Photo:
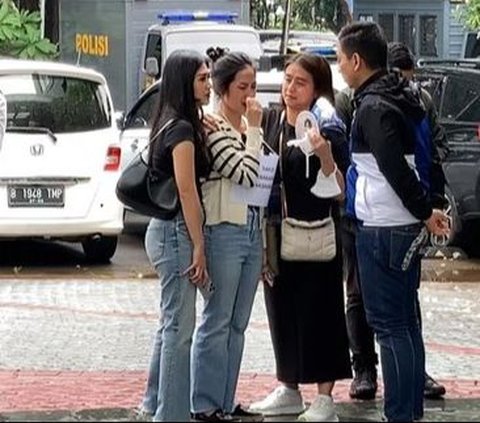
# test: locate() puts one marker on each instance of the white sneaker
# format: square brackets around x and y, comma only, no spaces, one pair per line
[321,410]
[281,401]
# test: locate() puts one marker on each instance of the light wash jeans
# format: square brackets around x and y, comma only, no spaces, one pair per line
[169,249]
[234,254]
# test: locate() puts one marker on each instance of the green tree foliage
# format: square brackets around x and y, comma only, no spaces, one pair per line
[20,34]
[469,14]
[306,14]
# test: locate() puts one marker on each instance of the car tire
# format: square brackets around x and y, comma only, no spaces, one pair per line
[100,249]
[470,238]
[451,210]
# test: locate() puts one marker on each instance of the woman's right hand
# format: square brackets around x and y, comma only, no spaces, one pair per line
[197,271]
[267,274]
[254,113]
[210,123]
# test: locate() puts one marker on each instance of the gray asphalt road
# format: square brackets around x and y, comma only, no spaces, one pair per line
[36,258]
[60,260]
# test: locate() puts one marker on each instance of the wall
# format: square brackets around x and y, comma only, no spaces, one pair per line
[406,7]
[122,24]
[456,33]
[92,33]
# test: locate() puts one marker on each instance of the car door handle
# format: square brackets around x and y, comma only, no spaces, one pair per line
[134,145]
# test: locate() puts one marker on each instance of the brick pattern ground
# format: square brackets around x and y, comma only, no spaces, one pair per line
[81,344]
[68,390]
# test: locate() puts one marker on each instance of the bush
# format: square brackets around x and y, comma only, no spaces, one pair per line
[20,34]
[469,14]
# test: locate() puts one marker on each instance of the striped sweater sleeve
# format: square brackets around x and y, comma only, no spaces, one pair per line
[234,160]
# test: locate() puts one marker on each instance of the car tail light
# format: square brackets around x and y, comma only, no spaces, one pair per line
[112,161]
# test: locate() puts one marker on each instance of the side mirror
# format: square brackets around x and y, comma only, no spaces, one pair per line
[119,117]
[151,67]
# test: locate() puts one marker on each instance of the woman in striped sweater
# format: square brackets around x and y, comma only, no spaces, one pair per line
[233,238]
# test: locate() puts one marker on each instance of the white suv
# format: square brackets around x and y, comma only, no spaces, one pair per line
[60,158]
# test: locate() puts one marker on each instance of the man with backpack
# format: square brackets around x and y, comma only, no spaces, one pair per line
[392,207]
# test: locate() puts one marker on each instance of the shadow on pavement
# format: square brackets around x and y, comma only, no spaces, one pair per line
[458,410]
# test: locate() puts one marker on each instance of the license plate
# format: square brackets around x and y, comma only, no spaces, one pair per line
[36,196]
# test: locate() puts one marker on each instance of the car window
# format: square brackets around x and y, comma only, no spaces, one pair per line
[153,49]
[462,99]
[59,103]
[433,84]
[141,113]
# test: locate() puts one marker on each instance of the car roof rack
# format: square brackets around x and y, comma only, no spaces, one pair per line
[467,63]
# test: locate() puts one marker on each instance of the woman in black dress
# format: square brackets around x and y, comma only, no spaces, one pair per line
[305,302]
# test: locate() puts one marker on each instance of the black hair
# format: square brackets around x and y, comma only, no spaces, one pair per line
[225,66]
[400,56]
[320,71]
[367,40]
[177,96]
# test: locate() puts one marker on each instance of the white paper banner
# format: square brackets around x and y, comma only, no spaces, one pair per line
[260,193]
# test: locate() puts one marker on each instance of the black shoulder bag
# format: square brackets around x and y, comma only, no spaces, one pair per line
[149,193]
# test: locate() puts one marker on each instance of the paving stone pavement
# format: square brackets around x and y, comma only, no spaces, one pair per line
[78,349]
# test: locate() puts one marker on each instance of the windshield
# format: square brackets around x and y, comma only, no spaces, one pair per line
[57,103]
[247,42]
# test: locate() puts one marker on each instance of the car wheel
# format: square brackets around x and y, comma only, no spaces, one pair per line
[451,210]
[470,238]
[100,249]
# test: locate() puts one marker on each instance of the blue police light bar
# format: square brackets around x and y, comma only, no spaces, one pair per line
[320,50]
[187,16]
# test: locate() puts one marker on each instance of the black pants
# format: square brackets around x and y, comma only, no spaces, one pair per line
[360,335]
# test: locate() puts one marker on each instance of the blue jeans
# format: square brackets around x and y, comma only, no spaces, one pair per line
[234,254]
[389,296]
[169,250]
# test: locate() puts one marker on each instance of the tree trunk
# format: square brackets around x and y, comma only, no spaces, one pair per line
[30,5]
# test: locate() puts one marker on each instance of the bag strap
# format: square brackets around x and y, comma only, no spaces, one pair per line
[283,194]
[153,139]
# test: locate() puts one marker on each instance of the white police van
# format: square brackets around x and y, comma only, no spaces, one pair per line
[194,30]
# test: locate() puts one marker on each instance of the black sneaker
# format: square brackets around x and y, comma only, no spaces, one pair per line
[240,414]
[216,416]
[364,385]
[433,389]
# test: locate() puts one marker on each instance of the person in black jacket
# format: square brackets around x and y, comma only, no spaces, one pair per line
[393,210]
[364,358]
[400,57]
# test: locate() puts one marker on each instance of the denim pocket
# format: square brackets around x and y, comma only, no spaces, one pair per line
[400,242]
[155,241]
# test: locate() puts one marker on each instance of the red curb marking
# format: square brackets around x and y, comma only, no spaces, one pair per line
[452,349]
[24,390]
